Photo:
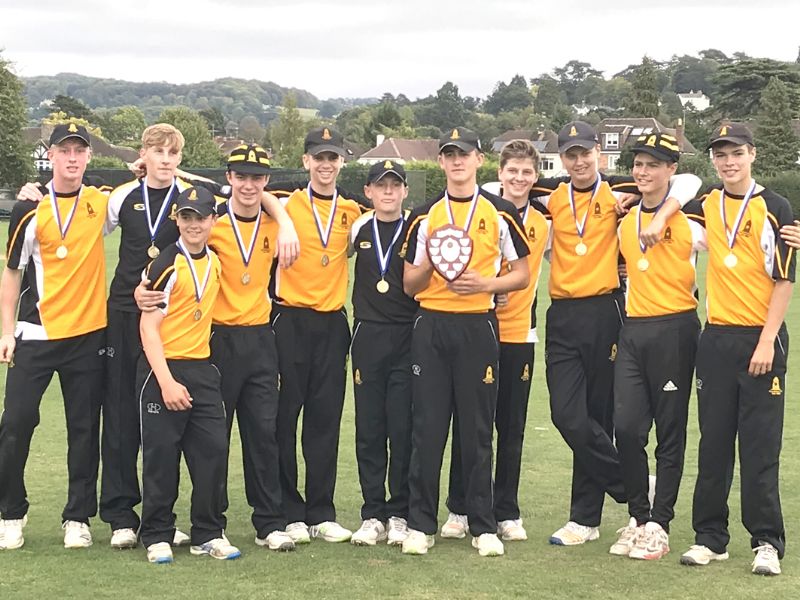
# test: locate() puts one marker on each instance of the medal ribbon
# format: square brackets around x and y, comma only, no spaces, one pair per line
[473,206]
[383,259]
[581,227]
[324,236]
[643,247]
[246,256]
[198,289]
[731,235]
[151,227]
[54,204]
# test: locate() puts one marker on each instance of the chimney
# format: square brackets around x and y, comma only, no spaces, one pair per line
[379,139]
[680,134]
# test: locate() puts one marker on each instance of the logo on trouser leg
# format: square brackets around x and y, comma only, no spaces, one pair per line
[776,390]
[489,378]
[153,408]
[526,373]
[670,387]
[613,356]
[416,370]
[357,377]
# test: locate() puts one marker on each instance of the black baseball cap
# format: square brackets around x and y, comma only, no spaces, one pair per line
[661,146]
[198,199]
[249,159]
[735,133]
[576,133]
[380,169]
[65,131]
[324,139]
[462,138]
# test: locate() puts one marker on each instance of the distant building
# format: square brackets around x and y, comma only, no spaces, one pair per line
[400,150]
[39,137]
[697,100]
[615,134]
[546,142]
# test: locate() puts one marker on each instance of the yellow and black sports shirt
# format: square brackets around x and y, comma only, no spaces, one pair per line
[60,297]
[741,295]
[182,335]
[517,319]
[496,232]
[239,303]
[318,278]
[668,285]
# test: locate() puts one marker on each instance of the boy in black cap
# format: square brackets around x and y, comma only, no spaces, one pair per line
[656,350]
[313,336]
[243,344]
[381,357]
[742,357]
[181,408]
[465,232]
[585,316]
[55,271]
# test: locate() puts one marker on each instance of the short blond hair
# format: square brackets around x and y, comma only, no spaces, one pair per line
[162,134]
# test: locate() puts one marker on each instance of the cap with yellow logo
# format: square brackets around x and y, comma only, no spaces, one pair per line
[249,159]
[660,146]
[733,133]
[66,131]
[380,169]
[460,137]
[324,139]
[576,133]
[198,199]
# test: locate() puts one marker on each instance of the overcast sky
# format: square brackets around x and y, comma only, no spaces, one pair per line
[357,48]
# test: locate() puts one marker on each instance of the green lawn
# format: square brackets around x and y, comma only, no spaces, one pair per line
[452,569]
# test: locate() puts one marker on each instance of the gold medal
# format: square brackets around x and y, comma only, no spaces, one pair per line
[61,252]
[731,260]
[152,251]
[325,260]
[198,314]
[245,278]
[382,286]
[643,264]
[581,249]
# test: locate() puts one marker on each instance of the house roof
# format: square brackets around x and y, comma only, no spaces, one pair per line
[544,141]
[100,147]
[403,149]
[630,128]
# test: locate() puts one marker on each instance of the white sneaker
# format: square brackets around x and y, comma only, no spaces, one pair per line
[298,531]
[398,531]
[488,544]
[371,532]
[652,544]
[277,540]
[766,561]
[455,527]
[330,531]
[651,490]
[216,548]
[698,555]
[574,534]
[417,542]
[11,533]
[628,536]
[124,538]
[511,530]
[180,539]
[159,553]
[76,535]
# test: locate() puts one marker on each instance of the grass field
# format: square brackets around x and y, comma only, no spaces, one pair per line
[452,569]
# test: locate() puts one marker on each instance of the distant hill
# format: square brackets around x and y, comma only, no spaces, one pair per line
[236,98]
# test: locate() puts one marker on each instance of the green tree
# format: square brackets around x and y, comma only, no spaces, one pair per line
[778,145]
[107,162]
[200,150]
[445,110]
[740,84]
[508,97]
[72,107]
[125,126]
[572,76]
[643,99]
[250,129]
[215,120]
[547,95]
[287,133]
[16,163]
